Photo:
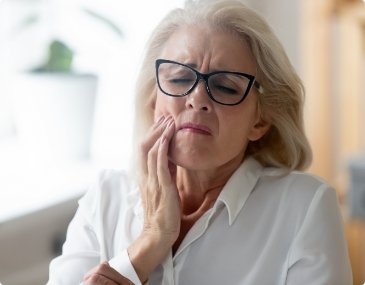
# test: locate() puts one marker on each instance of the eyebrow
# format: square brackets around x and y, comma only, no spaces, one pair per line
[195,66]
[192,65]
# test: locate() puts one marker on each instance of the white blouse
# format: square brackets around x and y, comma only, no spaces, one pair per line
[264,228]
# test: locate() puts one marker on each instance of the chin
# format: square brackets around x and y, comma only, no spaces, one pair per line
[189,161]
[190,154]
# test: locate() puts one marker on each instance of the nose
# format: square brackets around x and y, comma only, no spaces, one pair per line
[198,99]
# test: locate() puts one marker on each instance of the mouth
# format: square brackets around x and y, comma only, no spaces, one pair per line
[196,128]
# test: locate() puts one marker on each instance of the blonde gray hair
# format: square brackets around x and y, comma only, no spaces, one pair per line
[282,94]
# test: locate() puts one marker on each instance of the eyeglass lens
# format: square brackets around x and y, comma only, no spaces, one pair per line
[225,88]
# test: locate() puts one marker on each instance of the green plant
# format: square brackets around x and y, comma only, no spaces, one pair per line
[59,58]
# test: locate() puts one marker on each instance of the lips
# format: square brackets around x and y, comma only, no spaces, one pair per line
[196,128]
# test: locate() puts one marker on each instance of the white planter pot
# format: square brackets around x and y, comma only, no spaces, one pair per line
[54,115]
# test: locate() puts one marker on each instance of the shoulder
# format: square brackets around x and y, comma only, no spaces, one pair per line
[294,183]
[295,194]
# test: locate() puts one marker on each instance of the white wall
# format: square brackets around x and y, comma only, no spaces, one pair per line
[284,16]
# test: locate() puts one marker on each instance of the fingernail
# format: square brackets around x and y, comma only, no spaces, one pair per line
[166,120]
[160,119]
[170,123]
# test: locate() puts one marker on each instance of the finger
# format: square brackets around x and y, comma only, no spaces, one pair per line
[151,160]
[160,149]
[150,189]
[152,175]
[149,141]
[97,279]
[152,135]
[158,121]
[105,273]
[93,270]
[163,164]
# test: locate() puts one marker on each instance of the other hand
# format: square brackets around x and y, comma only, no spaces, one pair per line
[106,275]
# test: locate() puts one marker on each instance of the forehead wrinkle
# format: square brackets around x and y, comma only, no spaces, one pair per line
[185,48]
[199,49]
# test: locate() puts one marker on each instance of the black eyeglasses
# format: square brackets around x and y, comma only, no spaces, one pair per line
[224,87]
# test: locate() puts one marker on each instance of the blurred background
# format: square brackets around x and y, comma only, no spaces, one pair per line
[67,75]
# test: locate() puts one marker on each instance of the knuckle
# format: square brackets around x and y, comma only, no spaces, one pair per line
[152,154]
[144,147]
[95,278]
[103,267]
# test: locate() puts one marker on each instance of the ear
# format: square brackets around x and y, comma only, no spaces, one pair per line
[258,130]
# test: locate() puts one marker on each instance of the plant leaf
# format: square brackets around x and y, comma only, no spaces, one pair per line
[60,58]
[28,21]
[106,21]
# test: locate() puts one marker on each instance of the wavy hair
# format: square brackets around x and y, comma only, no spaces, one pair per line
[281,97]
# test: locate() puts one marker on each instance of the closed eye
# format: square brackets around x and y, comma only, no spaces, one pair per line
[181,81]
[226,90]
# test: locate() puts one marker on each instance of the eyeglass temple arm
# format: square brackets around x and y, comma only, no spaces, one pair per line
[258,86]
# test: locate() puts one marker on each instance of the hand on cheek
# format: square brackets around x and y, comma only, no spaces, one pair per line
[160,200]
[159,193]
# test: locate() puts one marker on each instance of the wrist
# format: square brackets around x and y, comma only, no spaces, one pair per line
[146,253]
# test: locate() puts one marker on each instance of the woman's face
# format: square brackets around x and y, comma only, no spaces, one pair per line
[209,135]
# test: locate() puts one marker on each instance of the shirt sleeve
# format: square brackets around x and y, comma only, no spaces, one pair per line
[83,247]
[80,253]
[319,254]
[122,263]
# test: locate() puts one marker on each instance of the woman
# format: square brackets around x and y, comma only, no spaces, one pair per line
[218,197]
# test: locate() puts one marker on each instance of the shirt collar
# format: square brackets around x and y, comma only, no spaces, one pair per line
[239,187]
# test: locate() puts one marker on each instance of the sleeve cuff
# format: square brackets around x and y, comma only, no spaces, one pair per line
[123,265]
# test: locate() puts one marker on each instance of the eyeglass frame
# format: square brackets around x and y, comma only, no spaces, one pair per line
[205,77]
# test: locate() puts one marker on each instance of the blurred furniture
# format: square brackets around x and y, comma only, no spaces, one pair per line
[355,226]
[29,242]
[356,194]
[333,72]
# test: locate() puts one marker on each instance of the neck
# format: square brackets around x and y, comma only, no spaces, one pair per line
[199,189]
[198,192]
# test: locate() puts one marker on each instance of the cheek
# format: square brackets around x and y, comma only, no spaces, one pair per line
[160,106]
[235,128]
[167,105]
[235,138]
